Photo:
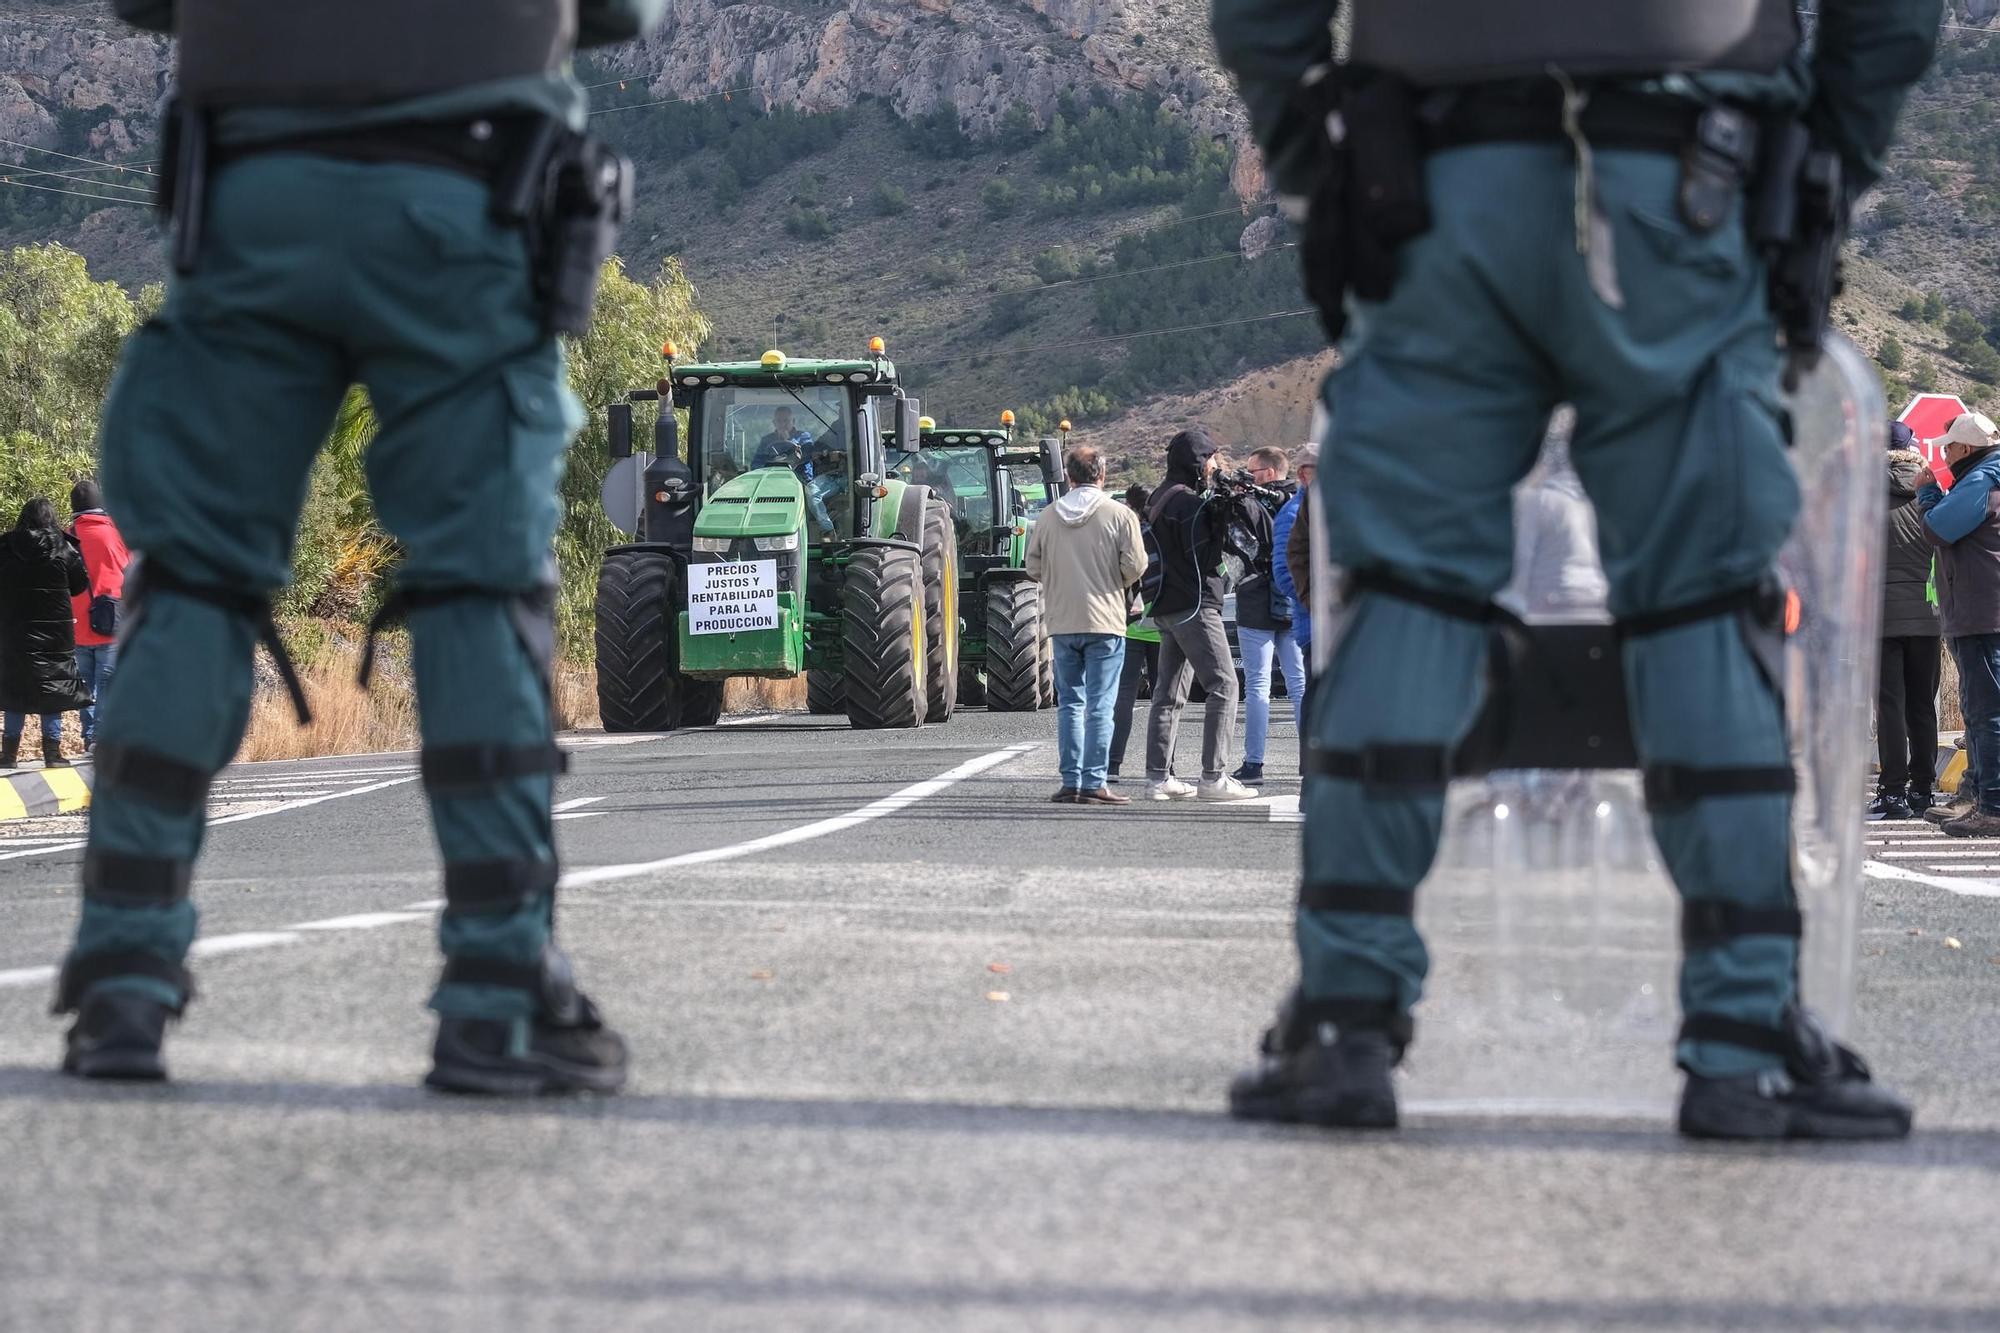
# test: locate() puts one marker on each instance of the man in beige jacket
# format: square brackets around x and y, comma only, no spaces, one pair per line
[1086,552]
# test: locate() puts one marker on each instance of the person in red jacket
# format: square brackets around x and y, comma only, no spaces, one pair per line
[104,560]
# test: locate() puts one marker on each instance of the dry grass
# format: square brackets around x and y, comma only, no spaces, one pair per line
[346,719]
[750,694]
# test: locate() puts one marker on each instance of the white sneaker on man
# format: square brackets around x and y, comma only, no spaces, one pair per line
[1172,789]
[1225,789]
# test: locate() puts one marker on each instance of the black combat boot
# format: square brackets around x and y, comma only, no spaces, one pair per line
[1823,1091]
[1325,1063]
[117,1035]
[564,1047]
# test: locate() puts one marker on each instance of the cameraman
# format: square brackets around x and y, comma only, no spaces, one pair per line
[1191,527]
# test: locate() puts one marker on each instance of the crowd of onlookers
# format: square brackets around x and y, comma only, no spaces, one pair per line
[1941,587]
[1134,595]
[60,590]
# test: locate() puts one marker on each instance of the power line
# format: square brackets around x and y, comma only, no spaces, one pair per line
[74,176]
[675,101]
[1128,337]
[101,198]
[92,161]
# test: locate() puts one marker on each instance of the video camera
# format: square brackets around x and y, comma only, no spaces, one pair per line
[1237,484]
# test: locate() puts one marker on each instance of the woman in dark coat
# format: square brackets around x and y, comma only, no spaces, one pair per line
[1906,692]
[40,570]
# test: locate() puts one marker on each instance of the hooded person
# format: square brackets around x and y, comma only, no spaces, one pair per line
[1964,529]
[40,570]
[1191,529]
[1087,554]
[1906,689]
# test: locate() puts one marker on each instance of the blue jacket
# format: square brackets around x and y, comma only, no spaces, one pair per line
[1281,572]
[1965,527]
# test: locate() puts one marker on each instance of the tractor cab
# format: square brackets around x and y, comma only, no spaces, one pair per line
[772,542]
[964,469]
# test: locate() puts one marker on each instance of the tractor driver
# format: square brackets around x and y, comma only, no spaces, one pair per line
[829,480]
[786,445]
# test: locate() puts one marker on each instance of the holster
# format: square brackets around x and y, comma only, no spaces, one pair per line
[572,194]
[1369,196]
[181,199]
[1798,220]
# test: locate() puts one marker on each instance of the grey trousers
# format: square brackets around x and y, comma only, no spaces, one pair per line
[1192,648]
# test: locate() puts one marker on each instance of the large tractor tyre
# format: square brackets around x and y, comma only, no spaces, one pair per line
[971,685]
[1013,647]
[940,612]
[701,702]
[1045,672]
[883,638]
[638,596]
[825,693]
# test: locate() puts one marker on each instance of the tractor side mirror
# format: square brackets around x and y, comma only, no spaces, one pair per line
[666,433]
[909,424]
[618,427]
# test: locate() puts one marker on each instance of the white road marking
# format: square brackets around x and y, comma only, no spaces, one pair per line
[239,818]
[888,805]
[1972,854]
[1970,888]
[265,939]
[576,803]
[738,719]
[362,921]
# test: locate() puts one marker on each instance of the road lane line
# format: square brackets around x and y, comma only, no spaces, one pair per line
[888,805]
[577,803]
[237,819]
[1969,888]
[361,921]
[265,939]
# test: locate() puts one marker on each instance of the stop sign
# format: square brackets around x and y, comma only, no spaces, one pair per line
[1928,416]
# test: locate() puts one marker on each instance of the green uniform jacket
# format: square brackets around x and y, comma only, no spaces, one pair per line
[1867,54]
[599,23]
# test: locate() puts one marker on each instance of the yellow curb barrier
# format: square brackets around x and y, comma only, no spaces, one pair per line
[40,792]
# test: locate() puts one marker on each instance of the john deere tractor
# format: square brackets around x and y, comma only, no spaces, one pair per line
[775,542]
[994,488]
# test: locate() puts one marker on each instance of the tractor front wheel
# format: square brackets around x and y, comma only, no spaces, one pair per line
[883,638]
[638,596]
[940,612]
[1013,646]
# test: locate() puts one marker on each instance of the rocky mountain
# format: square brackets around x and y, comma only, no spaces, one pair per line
[988,183]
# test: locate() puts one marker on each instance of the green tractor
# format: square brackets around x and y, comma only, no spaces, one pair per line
[994,488]
[775,542]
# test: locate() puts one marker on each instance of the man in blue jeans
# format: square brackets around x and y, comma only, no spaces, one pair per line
[1086,552]
[1966,531]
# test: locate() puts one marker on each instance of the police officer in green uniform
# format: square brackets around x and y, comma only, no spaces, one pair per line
[1535,202]
[378,193]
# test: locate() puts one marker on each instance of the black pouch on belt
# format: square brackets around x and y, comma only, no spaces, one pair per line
[573,193]
[1387,203]
[1315,106]
[181,198]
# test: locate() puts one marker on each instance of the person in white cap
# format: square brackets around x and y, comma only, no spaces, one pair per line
[1965,527]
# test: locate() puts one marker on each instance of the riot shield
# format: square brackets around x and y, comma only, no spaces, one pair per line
[1553,926]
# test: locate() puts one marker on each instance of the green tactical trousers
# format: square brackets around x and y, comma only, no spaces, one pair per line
[315,274]
[1680,442]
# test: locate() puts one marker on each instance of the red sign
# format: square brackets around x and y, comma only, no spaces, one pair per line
[1929,415]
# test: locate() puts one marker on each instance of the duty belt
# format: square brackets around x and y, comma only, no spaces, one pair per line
[1533,113]
[482,147]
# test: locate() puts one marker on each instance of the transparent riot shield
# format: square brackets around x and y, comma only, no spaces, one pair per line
[1552,924]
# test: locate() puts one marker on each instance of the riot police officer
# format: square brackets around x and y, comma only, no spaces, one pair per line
[377,193]
[1533,202]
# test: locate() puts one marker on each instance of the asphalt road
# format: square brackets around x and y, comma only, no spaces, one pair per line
[913,1049]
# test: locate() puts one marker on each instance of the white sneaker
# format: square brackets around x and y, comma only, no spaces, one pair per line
[1172,789]
[1225,789]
